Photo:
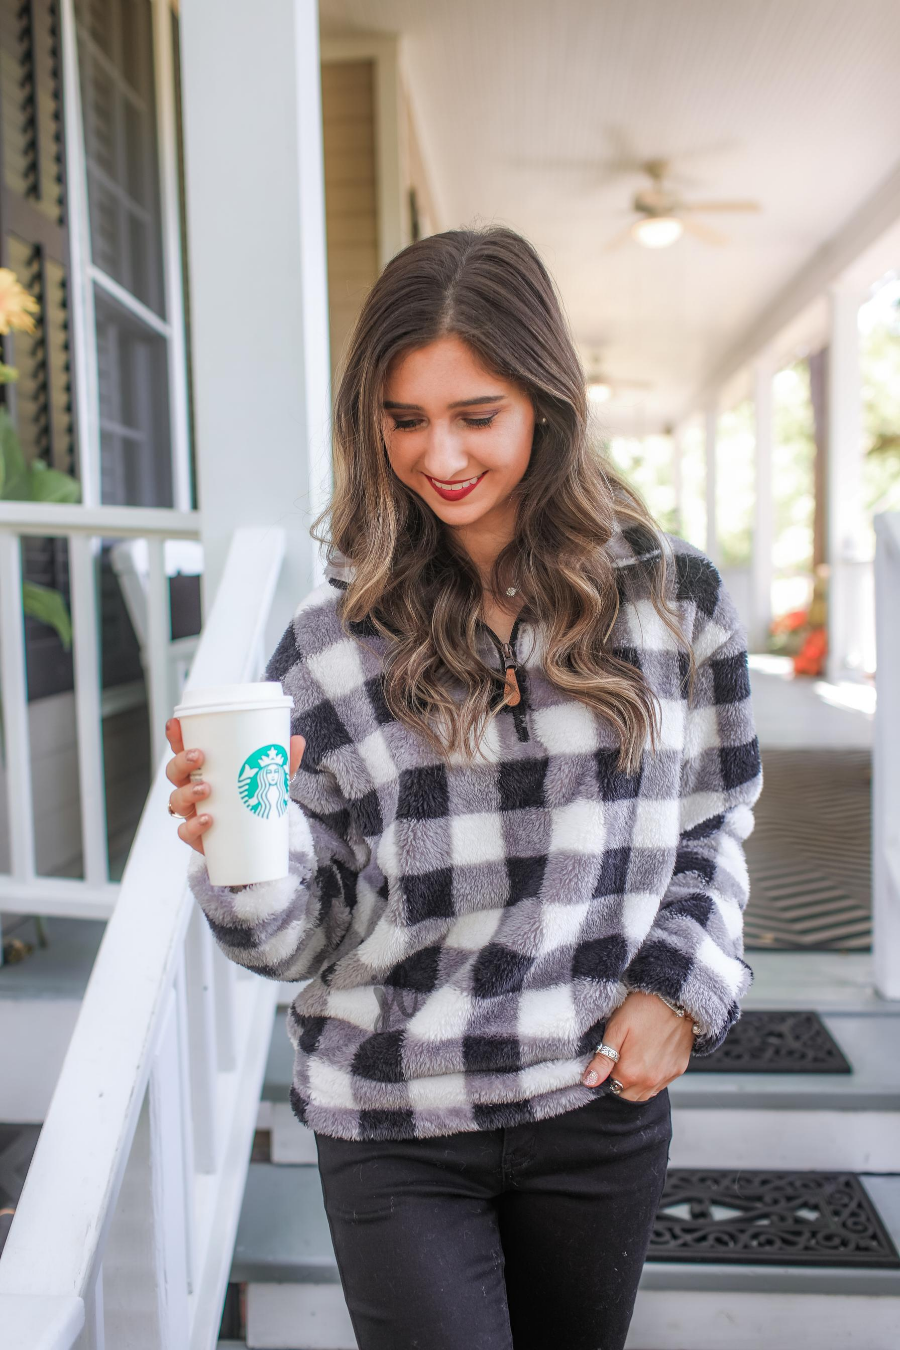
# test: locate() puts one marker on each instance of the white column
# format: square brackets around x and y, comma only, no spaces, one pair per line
[846,575]
[711,423]
[885,763]
[259,314]
[678,478]
[763,511]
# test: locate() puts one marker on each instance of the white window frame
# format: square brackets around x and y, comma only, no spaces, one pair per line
[85,275]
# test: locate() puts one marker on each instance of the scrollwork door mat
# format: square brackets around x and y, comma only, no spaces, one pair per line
[776,1040]
[770,1218]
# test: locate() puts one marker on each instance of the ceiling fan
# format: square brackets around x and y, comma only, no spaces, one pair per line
[663,215]
[601,386]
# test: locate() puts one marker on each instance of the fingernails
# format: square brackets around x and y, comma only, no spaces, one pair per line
[204,820]
[193,756]
[591,1078]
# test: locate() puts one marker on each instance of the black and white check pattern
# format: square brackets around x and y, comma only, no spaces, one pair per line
[468,927]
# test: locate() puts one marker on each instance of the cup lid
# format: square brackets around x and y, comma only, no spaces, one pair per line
[220,697]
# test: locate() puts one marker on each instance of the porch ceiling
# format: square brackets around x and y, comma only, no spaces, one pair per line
[526,107]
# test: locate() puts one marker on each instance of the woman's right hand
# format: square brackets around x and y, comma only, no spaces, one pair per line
[188,795]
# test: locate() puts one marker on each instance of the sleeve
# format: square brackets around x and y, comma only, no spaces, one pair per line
[289,929]
[693,952]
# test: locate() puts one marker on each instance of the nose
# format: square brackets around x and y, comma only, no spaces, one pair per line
[445,455]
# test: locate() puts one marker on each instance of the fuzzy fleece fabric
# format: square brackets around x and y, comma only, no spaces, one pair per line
[464,928]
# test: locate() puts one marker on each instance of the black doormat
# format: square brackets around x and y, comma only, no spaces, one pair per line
[775,1041]
[770,1218]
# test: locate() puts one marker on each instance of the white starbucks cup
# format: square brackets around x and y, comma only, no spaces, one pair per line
[244,731]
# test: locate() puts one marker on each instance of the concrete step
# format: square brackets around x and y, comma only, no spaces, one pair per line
[294,1301]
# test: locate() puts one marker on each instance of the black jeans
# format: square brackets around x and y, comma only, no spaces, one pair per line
[526,1238]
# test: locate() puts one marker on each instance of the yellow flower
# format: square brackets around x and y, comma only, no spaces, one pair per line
[16,305]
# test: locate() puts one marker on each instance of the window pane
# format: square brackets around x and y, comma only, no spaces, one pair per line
[115,54]
[134,410]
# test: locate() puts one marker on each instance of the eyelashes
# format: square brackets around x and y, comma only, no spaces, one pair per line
[410,424]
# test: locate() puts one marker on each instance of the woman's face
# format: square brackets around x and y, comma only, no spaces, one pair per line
[456,434]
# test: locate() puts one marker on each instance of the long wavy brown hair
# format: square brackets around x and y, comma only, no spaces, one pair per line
[410,581]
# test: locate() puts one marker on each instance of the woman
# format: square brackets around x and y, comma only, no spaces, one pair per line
[523,770]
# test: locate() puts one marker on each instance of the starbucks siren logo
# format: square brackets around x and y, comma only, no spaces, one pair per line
[263,782]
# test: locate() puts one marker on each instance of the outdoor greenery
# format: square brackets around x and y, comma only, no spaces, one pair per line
[880,350]
[647,460]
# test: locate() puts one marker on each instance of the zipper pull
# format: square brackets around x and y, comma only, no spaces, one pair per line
[512,695]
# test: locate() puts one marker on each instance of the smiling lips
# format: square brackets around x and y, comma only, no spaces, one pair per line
[454,492]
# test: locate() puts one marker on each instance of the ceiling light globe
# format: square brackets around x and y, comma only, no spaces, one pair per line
[599,392]
[657,231]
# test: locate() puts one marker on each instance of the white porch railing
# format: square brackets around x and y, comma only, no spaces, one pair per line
[125,1228]
[886,760]
[23,890]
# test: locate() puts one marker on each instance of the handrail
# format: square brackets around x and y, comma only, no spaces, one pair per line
[49,518]
[161,1081]
[23,889]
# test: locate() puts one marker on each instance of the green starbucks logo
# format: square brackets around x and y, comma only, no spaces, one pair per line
[263,782]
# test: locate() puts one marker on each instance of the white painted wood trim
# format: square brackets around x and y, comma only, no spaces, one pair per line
[179,420]
[84,329]
[86,654]
[57,1242]
[15,713]
[129,302]
[885,762]
[711,436]
[764,504]
[32,1323]
[160,700]
[47,518]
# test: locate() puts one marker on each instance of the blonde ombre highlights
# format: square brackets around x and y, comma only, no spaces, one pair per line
[410,578]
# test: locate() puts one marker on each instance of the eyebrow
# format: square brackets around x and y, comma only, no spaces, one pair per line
[461,403]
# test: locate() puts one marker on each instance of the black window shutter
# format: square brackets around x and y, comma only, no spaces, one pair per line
[34,243]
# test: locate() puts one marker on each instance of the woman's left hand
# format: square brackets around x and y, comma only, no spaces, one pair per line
[654,1046]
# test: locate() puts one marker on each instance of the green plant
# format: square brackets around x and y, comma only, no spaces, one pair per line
[24,482]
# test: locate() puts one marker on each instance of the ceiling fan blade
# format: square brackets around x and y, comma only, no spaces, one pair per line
[719,206]
[704,232]
[618,239]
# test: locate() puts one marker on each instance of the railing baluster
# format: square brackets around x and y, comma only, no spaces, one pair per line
[167,1173]
[225,980]
[20,800]
[86,655]
[191,1238]
[202,1040]
[159,632]
[93,1336]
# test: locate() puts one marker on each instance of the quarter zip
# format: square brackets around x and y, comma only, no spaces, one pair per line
[512,688]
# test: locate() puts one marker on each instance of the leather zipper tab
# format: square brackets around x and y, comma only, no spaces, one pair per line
[512,695]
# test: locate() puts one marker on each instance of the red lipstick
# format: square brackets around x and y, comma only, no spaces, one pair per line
[452,493]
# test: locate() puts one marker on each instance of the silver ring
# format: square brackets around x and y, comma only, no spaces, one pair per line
[604,1049]
[615,1086]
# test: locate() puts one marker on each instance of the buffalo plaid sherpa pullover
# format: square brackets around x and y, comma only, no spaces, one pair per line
[469,927]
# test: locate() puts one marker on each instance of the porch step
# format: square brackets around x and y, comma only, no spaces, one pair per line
[40,998]
[294,1300]
[828,1121]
